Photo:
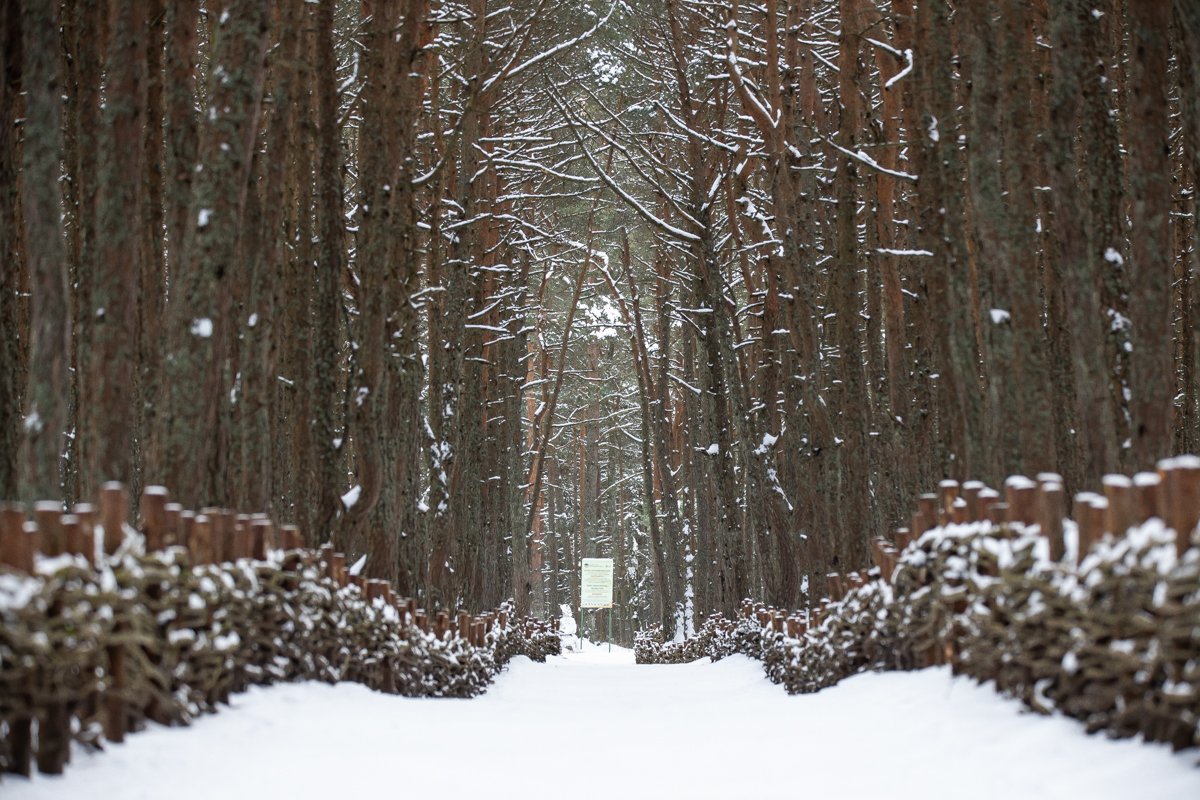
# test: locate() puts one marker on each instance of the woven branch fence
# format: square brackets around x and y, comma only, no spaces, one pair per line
[1097,616]
[104,627]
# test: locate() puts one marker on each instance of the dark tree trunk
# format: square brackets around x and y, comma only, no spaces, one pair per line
[110,416]
[48,395]
[1149,176]
[200,307]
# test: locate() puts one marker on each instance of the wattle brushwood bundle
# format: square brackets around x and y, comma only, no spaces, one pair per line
[165,624]
[1096,617]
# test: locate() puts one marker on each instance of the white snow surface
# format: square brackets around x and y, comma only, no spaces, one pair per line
[699,730]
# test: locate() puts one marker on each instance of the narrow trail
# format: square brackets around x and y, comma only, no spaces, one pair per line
[594,725]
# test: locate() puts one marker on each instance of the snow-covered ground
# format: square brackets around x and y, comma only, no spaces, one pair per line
[593,725]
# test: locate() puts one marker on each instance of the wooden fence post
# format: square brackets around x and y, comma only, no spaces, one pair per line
[72,534]
[263,536]
[290,536]
[186,518]
[1051,509]
[172,516]
[970,493]
[154,517]
[1121,514]
[1147,486]
[1021,495]
[16,553]
[86,512]
[1088,510]
[1186,497]
[200,541]
[48,515]
[114,514]
[947,494]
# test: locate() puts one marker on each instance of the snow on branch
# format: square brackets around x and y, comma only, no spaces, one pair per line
[866,159]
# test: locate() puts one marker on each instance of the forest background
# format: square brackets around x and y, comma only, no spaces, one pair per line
[477,289]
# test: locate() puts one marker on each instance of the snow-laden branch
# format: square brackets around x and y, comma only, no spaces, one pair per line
[908,55]
[889,251]
[661,224]
[866,159]
[564,45]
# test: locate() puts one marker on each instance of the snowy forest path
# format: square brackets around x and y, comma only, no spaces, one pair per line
[594,725]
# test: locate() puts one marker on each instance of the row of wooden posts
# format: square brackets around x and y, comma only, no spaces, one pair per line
[211,536]
[1171,493]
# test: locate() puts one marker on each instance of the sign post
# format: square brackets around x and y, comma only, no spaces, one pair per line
[595,591]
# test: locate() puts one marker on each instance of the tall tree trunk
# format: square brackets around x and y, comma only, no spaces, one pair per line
[13,336]
[1149,176]
[200,306]
[49,393]
[331,256]
[110,416]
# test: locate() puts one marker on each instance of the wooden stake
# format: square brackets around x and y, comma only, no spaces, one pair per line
[290,537]
[187,518]
[72,534]
[14,544]
[262,536]
[114,514]
[1051,509]
[1122,513]
[947,494]
[48,515]
[154,517]
[1021,496]
[200,540]
[1147,486]
[1186,497]
[970,493]
[172,524]
[1088,510]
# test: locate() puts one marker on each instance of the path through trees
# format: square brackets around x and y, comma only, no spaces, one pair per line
[596,726]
